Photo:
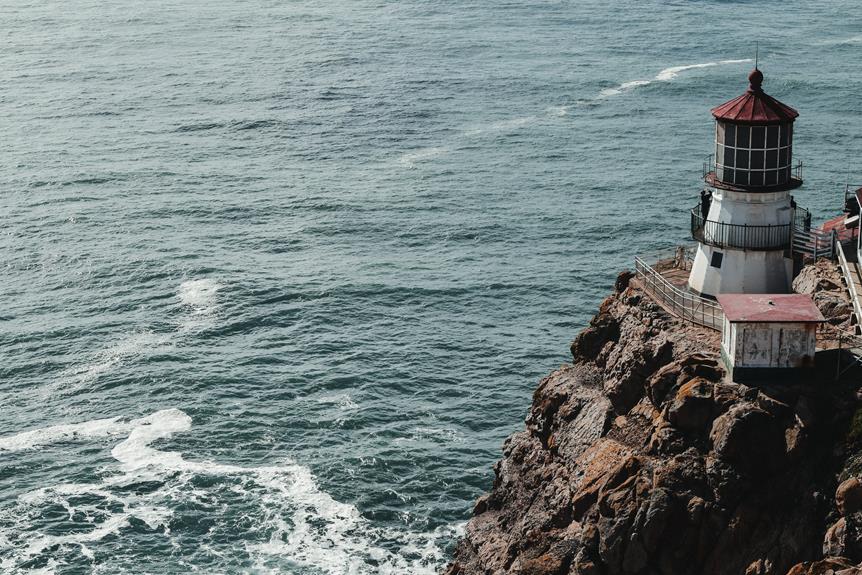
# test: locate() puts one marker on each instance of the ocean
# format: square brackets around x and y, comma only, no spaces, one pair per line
[278,278]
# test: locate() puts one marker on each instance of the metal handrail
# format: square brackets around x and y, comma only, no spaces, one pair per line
[685,305]
[722,235]
[848,279]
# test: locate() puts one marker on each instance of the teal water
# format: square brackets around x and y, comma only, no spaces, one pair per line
[278,278]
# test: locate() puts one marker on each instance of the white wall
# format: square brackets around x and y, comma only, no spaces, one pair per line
[770,345]
[744,271]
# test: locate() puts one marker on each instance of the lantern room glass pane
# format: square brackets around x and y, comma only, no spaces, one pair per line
[756,178]
[719,155]
[727,176]
[772,137]
[785,134]
[719,133]
[771,159]
[719,173]
[758,137]
[771,178]
[729,135]
[756,159]
[742,158]
[782,157]
[728,157]
[743,134]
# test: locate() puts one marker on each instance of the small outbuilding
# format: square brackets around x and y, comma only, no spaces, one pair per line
[768,337]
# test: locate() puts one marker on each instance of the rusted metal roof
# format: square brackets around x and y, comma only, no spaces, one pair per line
[755,106]
[769,308]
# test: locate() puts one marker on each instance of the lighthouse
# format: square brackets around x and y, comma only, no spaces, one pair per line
[744,221]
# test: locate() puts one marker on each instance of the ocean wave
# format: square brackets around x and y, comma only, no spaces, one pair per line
[666,75]
[841,41]
[108,359]
[411,158]
[292,521]
[501,126]
[199,294]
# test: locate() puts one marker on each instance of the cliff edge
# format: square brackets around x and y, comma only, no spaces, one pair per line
[641,458]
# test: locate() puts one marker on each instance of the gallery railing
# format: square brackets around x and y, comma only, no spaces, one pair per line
[679,302]
[738,236]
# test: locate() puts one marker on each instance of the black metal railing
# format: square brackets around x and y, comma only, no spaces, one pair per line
[775,237]
[801,218]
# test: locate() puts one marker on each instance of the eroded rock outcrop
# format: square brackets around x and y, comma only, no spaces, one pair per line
[641,458]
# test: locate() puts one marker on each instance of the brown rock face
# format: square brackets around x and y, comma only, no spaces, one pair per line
[641,459]
[848,496]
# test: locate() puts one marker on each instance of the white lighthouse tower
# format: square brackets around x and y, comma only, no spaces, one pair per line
[744,223]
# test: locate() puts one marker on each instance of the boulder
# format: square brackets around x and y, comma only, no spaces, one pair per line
[848,496]
[749,438]
[692,406]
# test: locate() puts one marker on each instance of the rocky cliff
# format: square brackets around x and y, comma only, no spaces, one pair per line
[641,458]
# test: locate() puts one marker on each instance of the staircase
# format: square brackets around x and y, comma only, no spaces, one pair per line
[852,275]
[813,243]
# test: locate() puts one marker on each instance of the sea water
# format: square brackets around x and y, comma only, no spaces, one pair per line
[278,278]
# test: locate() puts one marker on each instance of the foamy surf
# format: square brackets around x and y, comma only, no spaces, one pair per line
[291,520]
[199,294]
[666,75]
[410,159]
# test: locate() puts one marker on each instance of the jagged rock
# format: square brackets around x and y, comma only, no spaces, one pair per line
[589,343]
[623,280]
[828,566]
[822,276]
[692,407]
[834,307]
[848,496]
[641,459]
[844,538]
[749,438]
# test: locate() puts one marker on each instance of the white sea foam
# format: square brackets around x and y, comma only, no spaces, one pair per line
[199,294]
[302,524]
[501,126]
[411,158]
[57,433]
[841,41]
[108,359]
[666,75]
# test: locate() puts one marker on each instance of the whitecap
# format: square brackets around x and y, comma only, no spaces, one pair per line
[199,294]
[67,432]
[666,75]
[410,158]
[501,126]
[305,525]
[108,359]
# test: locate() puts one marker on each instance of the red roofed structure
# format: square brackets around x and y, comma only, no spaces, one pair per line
[755,106]
[769,337]
[769,308]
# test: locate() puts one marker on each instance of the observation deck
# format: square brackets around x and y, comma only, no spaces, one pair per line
[746,237]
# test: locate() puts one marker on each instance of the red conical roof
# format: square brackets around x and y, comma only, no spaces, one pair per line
[755,106]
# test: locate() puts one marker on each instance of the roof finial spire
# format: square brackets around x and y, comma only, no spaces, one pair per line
[755,79]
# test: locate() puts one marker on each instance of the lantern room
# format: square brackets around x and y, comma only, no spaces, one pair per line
[754,141]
